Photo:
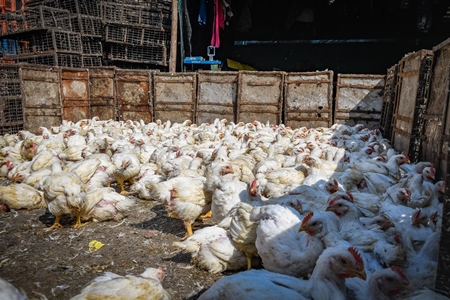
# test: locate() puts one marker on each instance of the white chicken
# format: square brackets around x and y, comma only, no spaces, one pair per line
[127,167]
[105,204]
[146,286]
[10,292]
[326,282]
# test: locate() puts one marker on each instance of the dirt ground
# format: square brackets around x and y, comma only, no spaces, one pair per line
[58,263]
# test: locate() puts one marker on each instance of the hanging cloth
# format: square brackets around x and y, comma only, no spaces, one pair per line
[219,22]
[202,13]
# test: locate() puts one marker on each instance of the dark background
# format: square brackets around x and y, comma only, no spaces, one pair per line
[346,36]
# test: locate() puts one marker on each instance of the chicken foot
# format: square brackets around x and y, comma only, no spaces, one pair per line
[78,222]
[122,187]
[56,223]
[188,227]
[249,261]
[205,216]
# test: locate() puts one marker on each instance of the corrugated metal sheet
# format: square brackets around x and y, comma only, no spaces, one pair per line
[75,93]
[260,97]
[41,97]
[359,99]
[175,96]
[217,94]
[308,99]
[102,92]
[412,94]
[134,95]
[436,148]
[389,94]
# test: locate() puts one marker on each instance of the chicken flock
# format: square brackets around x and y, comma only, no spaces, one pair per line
[311,213]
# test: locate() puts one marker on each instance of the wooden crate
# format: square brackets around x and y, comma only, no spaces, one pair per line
[260,97]
[411,98]
[359,99]
[308,99]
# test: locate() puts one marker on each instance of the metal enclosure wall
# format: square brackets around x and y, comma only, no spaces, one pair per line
[75,94]
[175,96]
[308,99]
[359,99]
[134,95]
[217,94]
[41,97]
[102,92]
[387,111]
[260,97]
[411,97]
[436,148]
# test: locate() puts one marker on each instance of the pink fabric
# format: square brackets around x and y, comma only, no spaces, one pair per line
[219,22]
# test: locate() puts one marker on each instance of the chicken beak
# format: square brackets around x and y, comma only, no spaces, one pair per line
[359,273]
[330,208]
[302,228]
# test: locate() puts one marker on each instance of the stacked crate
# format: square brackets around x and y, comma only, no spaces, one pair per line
[41,35]
[11,107]
[137,33]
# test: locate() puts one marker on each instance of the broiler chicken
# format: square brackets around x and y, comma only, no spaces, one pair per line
[22,196]
[146,286]
[127,167]
[105,204]
[327,281]
[64,194]
[10,292]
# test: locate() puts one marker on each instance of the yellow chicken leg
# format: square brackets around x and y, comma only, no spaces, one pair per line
[78,222]
[188,227]
[56,223]
[205,216]
[249,261]
[122,187]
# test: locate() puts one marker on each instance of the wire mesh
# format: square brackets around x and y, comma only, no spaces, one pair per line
[84,7]
[136,35]
[91,61]
[53,59]
[87,25]
[126,14]
[92,46]
[48,41]
[140,54]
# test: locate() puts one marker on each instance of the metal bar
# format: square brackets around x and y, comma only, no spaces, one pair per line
[173,38]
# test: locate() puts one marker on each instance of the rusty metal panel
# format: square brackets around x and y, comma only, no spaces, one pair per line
[41,97]
[175,96]
[411,97]
[308,99]
[217,93]
[436,148]
[359,99]
[102,93]
[133,95]
[389,93]
[260,96]
[75,93]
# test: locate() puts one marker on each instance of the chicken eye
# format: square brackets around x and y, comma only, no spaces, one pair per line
[314,224]
[343,261]
[389,279]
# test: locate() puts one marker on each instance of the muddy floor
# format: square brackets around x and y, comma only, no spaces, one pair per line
[58,263]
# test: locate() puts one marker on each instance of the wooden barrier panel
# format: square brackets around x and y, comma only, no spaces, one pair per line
[435,147]
[102,93]
[411,96]
[175,96]
[359,99]
[387,111]
[133,95]
[217,94]
[260,97]
[75,94]
[308,99]
[41,97]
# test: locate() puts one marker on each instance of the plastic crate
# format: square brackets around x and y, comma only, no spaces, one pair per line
[137,35]
[138,54]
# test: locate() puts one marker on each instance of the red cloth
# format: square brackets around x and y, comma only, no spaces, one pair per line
[219,22]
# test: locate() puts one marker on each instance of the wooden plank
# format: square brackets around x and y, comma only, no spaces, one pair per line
[217,94]
[308,99]
[260,97]
[359,99]
[389,94]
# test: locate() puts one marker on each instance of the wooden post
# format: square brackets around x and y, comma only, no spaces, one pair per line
[173,38]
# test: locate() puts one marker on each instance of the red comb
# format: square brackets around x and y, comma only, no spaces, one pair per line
[335,182]
[385,216]
[356,255]
[254,184]
[407,192]
[400,273]
[351,197]
[332,202]
[406,155]
[398,239]
[433,170]
[416,214]
[307,217]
